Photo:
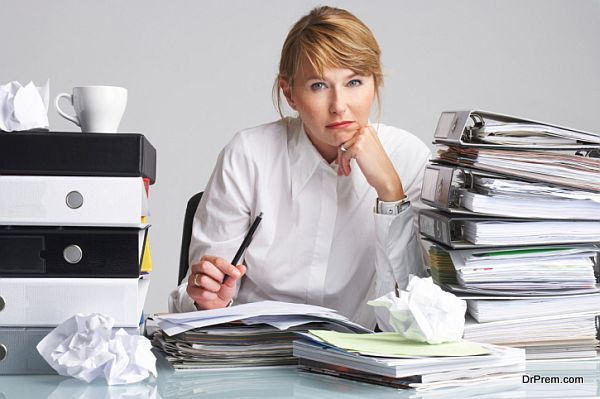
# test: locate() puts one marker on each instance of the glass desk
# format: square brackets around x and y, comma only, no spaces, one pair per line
[287,382]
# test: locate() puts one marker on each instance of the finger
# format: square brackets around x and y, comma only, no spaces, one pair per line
[199,294]
[227,268]
[206,282]
[345,161]
[345,167]
[339,162]
[204,295]
[207,266]
[232,281]
[346,145]
[199,282]
[347,154]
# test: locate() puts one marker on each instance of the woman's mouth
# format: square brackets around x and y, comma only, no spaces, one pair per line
[339,125]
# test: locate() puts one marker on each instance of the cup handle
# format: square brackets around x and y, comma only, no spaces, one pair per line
[73,119]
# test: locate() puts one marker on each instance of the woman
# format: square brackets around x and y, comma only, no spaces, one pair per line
[336,191]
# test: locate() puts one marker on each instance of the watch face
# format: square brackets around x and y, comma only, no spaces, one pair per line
[392,208]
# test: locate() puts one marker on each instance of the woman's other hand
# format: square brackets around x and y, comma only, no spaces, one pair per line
[374,163]
[206,286]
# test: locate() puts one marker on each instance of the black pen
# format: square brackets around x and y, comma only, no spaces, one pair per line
[245,243]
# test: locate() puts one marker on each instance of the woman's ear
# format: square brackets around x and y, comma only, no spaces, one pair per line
[287,92]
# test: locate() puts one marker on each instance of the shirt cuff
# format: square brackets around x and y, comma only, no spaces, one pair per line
[180,301]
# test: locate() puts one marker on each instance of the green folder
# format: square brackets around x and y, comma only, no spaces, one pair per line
[395,345]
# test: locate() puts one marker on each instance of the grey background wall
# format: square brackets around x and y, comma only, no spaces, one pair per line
[198,71]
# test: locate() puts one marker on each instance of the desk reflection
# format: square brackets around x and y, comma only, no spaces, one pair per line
[287,382]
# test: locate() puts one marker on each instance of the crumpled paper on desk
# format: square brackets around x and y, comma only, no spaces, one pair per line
[85,347]
[424,312]
[24,107]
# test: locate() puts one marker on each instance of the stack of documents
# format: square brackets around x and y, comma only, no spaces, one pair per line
[500,232]
[506,197]
[249,335]
[73,235]
[531,134]
[506,308]
[389,359]
[531,298]
[462,190]
[547,268]
[516,231]
[549,167]
[531,269]
[571,335]
[228,345]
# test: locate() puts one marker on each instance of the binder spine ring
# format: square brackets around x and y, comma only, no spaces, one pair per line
[74,200]
[2,304]
[3,352]
[73,254]
[478,122]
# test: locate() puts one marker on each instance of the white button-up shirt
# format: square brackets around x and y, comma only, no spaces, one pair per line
[320,241]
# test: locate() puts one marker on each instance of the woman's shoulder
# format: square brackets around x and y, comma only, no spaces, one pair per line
[260,139]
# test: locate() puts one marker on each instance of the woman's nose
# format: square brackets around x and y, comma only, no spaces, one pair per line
[337,103]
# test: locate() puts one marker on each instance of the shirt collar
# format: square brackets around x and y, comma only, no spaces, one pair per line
[305,159]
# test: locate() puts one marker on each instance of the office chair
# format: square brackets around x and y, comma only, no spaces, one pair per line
[186,236]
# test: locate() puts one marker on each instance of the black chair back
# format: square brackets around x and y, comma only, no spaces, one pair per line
[186,237]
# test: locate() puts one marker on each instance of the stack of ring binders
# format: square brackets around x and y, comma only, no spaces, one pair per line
[514,229]
[73,235]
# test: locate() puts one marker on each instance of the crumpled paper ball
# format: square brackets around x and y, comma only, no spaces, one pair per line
[24,107]
[85,347]
[424,312]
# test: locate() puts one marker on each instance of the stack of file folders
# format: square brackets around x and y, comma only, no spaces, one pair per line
[73,235]
[516,231]
[248,335]
[392,360]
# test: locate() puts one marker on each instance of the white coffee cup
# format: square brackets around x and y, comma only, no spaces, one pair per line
[98,109]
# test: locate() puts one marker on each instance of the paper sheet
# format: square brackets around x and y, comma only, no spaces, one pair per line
[424,312]
[393,344]
[24,107]
[86,348]
[175,323]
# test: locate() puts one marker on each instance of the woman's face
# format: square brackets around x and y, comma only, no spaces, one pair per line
[332,107]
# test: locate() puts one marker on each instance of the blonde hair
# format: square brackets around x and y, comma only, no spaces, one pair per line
[329,37]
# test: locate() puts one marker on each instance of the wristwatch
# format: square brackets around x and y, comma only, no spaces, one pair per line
[391,208]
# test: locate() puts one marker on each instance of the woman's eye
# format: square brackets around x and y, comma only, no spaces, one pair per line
[354,82]
[318,86]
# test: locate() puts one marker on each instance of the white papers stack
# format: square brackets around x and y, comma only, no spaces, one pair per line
[557,168]
[531,134]
[509,306]
[571,335]
[277,314]
[422,373]
[504,232]
[248,335]
[550,268]
[513,198]
[487,310]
